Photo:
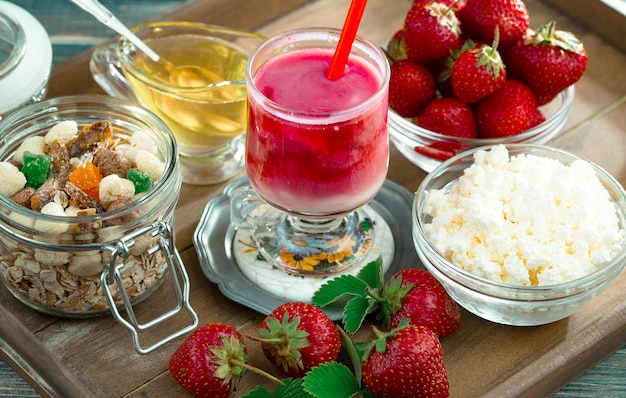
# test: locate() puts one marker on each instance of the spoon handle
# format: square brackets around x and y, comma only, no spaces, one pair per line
[107,18]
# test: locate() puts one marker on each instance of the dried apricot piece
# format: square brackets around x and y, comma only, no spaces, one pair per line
[87,177]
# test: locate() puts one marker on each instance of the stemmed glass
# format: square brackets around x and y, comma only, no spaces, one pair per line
[316,151]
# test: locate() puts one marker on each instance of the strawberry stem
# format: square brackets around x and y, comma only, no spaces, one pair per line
[496,38]
[256,370]
[549,36]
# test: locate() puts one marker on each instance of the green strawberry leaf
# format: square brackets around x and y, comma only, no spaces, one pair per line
[391,296]
[355,311]
[293,388]
[331,380]
[354,353]
[337,289]
[372,274]
[343,287]
[362,293]
[259,392]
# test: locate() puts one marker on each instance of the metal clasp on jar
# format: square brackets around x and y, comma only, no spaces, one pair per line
[112,274]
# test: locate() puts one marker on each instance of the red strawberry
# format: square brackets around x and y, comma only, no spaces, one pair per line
[548,61]
[406,363]
[478,72]
[396,48]
[431,30]
[297,337]
[456,4]
[479,19]
[537,119]
[434,151]
[207,362]
[509,111]
[442,68]
[448,116]
[411,87]
[426,303]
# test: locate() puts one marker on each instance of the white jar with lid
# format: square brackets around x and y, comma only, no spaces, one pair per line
[25,58]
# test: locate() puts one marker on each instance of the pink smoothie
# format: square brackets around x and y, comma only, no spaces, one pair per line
[312,148]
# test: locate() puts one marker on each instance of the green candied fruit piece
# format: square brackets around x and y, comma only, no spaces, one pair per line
[142,181]
[36,168]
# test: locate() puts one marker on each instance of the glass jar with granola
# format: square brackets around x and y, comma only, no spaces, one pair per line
[87,203]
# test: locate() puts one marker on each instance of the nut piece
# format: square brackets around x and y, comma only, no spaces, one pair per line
[63,132]
[113,188]
[86,263]
[150,164]
[12,179]
[23,196]
[140,141]
[35,145]
[53,227]
[111,162]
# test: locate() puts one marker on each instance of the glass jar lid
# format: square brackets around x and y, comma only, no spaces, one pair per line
[25,57]
[12,43]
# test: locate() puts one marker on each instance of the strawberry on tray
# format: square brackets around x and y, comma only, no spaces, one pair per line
[401,358]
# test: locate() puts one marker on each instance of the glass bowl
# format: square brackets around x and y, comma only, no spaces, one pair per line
[407,136]
[507,303]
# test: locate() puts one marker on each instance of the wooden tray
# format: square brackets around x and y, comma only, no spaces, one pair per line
[96,357]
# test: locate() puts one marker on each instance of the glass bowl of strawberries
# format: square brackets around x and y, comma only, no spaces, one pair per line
[427,149]
[473,73]
[521,234]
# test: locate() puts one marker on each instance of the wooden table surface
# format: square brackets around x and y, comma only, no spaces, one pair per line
[95,357]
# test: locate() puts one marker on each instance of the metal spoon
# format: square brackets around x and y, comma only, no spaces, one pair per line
[105,16]
[182,75]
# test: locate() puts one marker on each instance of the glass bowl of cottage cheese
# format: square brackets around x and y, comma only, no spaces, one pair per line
[521,234]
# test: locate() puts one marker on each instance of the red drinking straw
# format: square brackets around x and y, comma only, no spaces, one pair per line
[348,33]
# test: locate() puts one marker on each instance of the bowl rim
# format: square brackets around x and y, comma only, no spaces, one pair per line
[612,269]
[411,130]
[53,105]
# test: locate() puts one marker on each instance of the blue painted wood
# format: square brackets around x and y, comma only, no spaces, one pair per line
[72,30]
[607,380]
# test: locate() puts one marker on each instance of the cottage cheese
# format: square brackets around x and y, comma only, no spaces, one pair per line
[525,220]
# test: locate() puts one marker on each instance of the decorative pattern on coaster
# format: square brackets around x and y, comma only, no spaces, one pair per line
[297,287]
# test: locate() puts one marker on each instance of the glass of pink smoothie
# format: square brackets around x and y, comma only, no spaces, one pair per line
[316,149]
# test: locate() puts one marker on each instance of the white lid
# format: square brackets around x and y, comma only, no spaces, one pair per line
[31,74]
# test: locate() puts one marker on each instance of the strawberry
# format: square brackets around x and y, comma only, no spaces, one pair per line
[434,151]
[456,4]
[431,30]
[548,61]
[426,303]
[411,86]
[480,18]
[297,337]
[537,119]
[367,291]
[406,363]
[448,116]
[208,362]
[478,72]
[442,68]
[509,111]
[396,48]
